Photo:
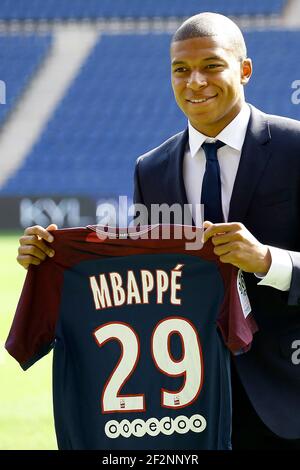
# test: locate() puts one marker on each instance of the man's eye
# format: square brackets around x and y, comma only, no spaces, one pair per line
[214,66]
[180,69]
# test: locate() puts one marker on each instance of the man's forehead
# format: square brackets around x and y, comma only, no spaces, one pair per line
[200,48]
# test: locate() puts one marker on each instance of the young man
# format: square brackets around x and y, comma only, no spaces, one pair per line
[252,177]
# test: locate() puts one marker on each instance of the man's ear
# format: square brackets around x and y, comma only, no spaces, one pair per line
[246,71]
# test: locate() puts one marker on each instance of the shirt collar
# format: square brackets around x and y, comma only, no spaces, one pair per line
[233,134]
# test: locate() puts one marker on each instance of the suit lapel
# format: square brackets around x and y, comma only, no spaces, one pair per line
[254,157]
[175,182]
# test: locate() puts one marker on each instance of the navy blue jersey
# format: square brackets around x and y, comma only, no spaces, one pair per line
[141,331]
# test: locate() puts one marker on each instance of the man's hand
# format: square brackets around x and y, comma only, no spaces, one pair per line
[32,249]
[234,244]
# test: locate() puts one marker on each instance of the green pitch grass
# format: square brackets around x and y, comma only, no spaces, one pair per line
[26,418]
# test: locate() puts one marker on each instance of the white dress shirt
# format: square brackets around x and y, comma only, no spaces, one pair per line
[280,273]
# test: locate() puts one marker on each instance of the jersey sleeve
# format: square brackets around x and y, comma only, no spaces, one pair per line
[236,321]
[32,332]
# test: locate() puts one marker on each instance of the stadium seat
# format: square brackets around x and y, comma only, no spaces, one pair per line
[21,55]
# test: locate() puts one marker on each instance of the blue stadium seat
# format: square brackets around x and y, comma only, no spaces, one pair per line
[120,105]
[275,69]
[79,9]
[21,55]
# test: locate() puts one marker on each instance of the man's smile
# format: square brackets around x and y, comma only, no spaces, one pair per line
[201,100]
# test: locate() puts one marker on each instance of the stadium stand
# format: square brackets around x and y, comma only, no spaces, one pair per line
[92,9]
[21,55]
[275,69]
[112,112]
[120,105]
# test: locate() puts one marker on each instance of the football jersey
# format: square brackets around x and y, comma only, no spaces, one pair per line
[142,330]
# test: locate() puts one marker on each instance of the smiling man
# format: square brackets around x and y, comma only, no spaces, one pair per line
[244,166]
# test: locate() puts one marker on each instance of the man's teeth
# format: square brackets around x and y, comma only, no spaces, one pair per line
[199,101]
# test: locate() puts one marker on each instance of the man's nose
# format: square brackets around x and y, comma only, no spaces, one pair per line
[196,80]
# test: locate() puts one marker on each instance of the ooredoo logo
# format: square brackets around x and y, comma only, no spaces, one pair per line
[154,426]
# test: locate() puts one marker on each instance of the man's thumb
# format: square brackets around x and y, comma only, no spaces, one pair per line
[207,224]
[52,227]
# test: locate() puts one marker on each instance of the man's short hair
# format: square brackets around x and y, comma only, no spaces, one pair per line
[213,24]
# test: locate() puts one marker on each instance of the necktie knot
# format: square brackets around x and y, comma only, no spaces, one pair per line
[210,150]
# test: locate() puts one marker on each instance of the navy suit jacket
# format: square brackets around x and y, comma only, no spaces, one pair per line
[266,199]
